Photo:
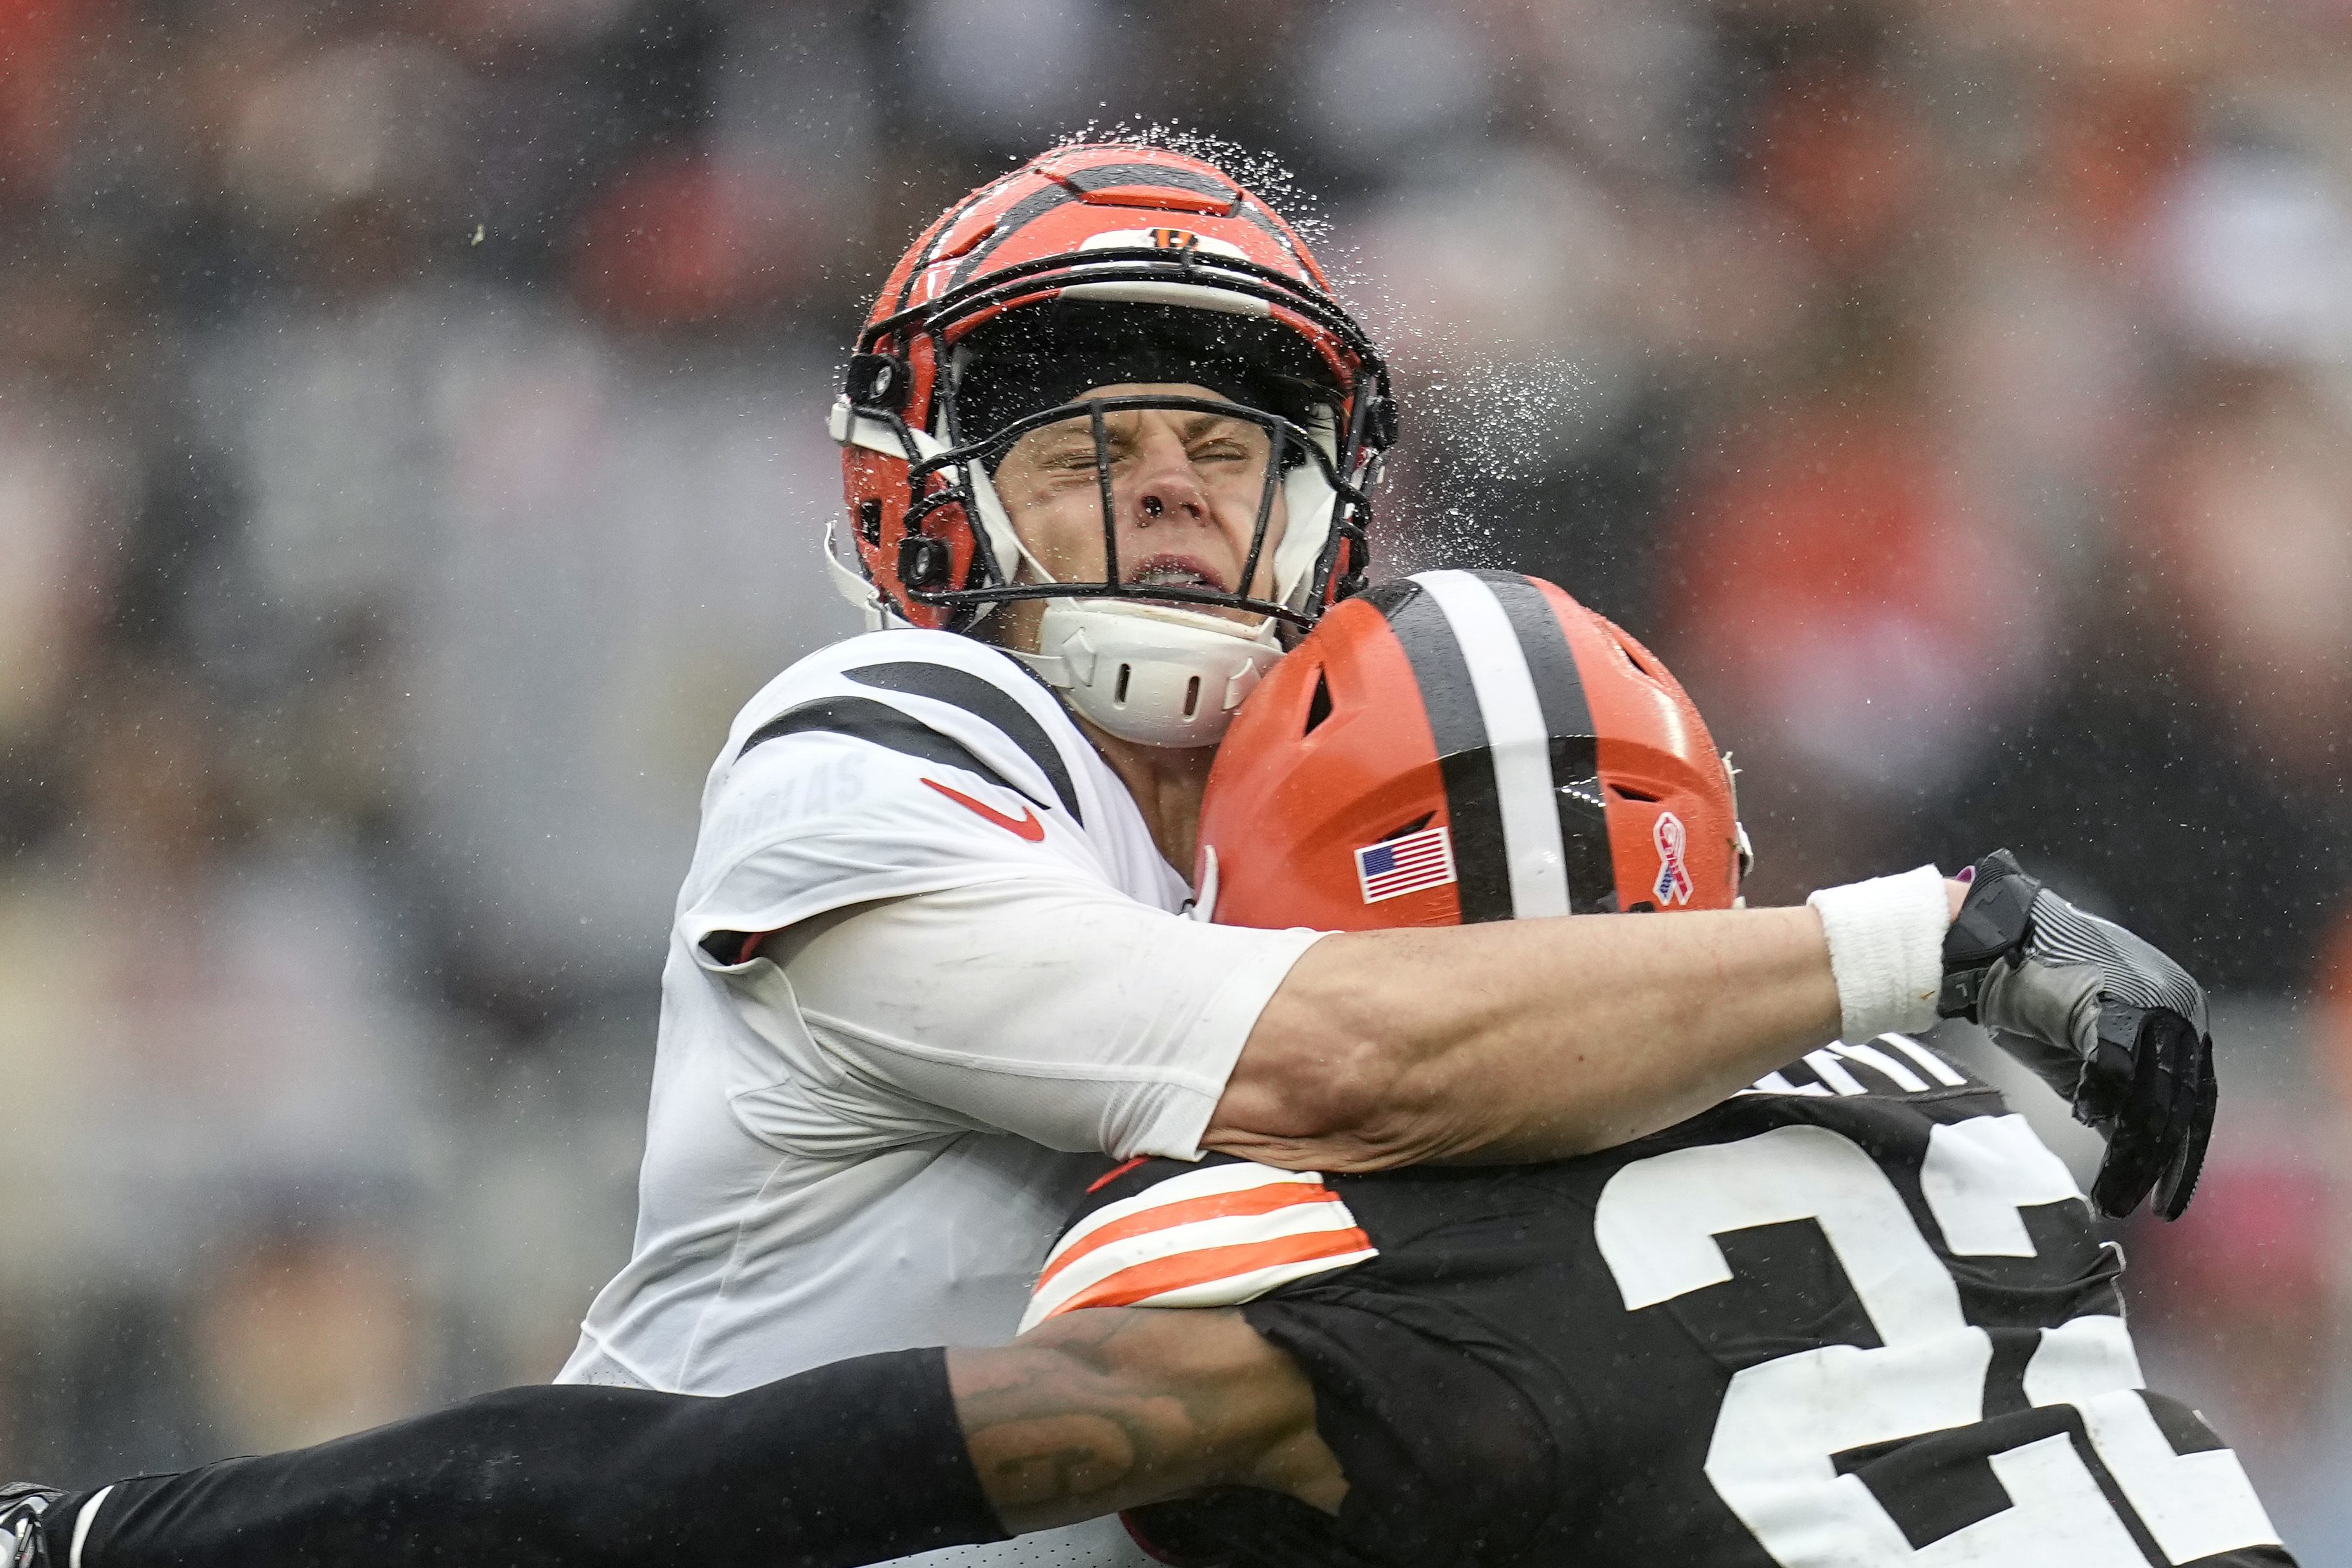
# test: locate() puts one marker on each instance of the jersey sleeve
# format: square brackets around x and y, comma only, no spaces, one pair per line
[1447,1462]
[1447,1459]
[858,1461]
[1041,1004]
[1157,1233]
[892,765]
[1440,1449]
[812,823]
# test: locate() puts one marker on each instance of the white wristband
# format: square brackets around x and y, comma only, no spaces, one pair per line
[1886,951]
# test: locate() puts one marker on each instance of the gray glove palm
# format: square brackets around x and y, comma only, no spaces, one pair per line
[2118,1028]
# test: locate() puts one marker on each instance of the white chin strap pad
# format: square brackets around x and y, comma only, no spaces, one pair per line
[1151,673]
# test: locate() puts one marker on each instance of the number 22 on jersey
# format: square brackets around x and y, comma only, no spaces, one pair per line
[1783,1421]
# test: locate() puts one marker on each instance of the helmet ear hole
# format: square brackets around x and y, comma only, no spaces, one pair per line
[1318,706]
[1645,663]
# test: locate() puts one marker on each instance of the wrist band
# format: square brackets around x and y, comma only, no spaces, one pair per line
[1886,951]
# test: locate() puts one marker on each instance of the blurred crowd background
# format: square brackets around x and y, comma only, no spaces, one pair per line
[410,454]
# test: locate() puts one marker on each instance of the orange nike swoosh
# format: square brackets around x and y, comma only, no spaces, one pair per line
[1027,824]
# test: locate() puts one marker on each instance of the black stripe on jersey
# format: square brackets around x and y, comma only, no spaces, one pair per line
[1472,801]
[986,703]
[1575,748]
[863,718]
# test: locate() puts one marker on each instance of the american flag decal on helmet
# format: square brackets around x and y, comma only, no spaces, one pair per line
[1215,1236]
[1401,865]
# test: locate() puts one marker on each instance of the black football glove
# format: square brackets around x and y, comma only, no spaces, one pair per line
[2118,1028]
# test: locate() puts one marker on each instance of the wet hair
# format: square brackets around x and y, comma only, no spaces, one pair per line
[1040,357]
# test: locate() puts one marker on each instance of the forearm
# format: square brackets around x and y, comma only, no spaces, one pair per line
[878,1458]
[1522,1039]
[846,1464]
[1112,1409]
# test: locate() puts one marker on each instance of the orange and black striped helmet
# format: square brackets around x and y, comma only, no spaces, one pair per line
[1466,746]
[1099,233]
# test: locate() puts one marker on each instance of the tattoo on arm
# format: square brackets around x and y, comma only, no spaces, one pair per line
[1114,1408]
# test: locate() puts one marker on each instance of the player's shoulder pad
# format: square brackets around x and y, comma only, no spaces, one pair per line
[1166,1233]
[1892,1065]
[937,697]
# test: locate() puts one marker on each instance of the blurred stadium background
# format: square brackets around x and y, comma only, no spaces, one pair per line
[411,454]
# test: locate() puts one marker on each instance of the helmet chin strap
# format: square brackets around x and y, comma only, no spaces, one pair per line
[1151,673]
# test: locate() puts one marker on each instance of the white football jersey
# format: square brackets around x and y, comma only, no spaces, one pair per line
[984,992]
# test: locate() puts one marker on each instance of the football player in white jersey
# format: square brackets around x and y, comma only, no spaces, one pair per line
[1106,452]
[1106,446]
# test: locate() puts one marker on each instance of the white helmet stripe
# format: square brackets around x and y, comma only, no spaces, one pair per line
[1518,740]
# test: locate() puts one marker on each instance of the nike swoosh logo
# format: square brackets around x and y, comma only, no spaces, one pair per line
[1027,824]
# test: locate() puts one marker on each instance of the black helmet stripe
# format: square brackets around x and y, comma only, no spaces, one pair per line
[1575,746]
[1026,211]
[1515,739]
[1458,724]
[1104,176]
[1518,744]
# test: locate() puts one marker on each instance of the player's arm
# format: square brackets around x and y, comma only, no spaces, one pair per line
[1515,1040]
[850,1463]
[1531,1039]
[1083,1019]
[1111,1408]
[876,1458]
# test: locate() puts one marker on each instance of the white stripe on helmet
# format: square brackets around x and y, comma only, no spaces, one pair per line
[1516,737]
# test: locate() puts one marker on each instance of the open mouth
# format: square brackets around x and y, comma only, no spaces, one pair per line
[1174,572]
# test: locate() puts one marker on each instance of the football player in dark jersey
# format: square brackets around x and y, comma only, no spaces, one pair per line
[1856,1314]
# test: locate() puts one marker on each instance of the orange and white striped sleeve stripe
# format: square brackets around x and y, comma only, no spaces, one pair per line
[1216,1237]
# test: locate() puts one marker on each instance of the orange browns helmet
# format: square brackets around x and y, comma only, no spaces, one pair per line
[1457,746]
[1094,225]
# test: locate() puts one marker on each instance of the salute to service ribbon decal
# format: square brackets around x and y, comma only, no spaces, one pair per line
[1673,885]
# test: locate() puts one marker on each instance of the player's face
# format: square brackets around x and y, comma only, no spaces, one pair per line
[1185,485]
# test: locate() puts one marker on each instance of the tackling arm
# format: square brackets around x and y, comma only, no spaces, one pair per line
[1112,1409]
[1523,1040]
[855,1462]
[1507,1041]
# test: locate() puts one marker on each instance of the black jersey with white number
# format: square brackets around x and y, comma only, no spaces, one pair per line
[1855,1315]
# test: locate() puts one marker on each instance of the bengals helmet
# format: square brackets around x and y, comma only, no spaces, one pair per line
[1165,269]
[1458,747]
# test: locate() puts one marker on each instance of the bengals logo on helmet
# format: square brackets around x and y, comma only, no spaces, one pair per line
[1461,747]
